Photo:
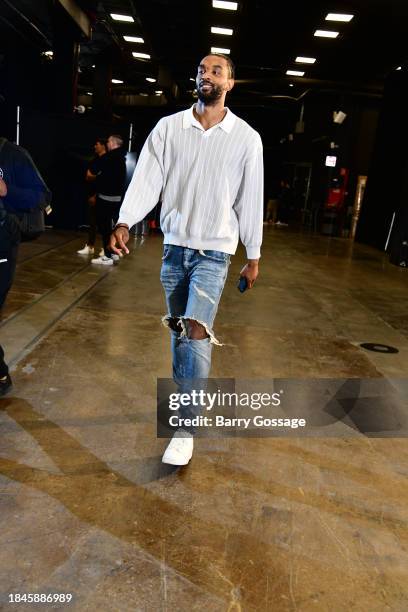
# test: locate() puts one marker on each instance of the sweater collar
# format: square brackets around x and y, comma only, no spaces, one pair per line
[226,124]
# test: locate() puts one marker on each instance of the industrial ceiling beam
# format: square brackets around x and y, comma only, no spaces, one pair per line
[79,17]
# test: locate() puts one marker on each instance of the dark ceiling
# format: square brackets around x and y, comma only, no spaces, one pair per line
[267,36]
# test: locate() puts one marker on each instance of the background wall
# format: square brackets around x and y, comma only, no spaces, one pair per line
[62,144]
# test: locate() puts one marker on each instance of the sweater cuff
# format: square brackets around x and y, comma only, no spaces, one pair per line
[126,218]
[253,252]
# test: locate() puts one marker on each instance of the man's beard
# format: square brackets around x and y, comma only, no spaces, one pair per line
[210,97]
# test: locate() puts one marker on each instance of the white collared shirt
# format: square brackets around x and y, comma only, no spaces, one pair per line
[210,183]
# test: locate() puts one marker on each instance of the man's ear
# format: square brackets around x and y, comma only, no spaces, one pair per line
[230,84]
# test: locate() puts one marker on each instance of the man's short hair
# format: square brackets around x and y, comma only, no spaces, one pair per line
[231,65]
[101,141]
[118,139]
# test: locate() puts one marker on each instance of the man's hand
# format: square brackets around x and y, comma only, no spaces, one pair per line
[3,189]
[250,272]
[120,237]
[92,200]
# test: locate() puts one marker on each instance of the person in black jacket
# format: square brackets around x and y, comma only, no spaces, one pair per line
[21,189]
[110,175]
[92,170]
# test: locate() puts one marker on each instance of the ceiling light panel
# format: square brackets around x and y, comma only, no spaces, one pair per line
[116,81]
[220,50]
[140,55]
[133,39]
[228,6]
[326,34]
[150,79]
[225,31]
[339,17]
[295,73]
[127,18]
[305,60]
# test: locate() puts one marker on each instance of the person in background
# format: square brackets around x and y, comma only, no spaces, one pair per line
[285,202]
[21,188]
[272,204]
[9,241]
[91,177]
[110,174]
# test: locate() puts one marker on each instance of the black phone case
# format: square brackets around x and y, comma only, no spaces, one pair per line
[242,284]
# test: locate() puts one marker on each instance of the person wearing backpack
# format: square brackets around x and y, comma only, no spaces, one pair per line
[22,191]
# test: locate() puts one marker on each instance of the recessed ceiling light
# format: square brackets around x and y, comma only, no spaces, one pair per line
[158,92]
[226,31]
[116,81]
[89,93]
[326,34]
[291,85]
[151,80]
[143,94]
[140,55]
[222,4]
[294,73]
[117,17]
[305,60]
[339,17]
[135,39]
[220,50]
[93,66]
[399,68]
[48,53]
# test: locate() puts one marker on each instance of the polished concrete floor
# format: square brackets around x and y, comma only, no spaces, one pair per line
[251,524]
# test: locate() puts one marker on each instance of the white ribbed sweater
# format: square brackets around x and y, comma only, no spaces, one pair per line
[210,183]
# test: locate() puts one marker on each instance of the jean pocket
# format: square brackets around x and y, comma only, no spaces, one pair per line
[215,256]
[166,251]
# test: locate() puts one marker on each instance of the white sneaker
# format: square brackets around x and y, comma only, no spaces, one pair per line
[115,257]
[104,261]
[179,451]
[87,250]
[101,253]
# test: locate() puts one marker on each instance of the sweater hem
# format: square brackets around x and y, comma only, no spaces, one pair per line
[201,244]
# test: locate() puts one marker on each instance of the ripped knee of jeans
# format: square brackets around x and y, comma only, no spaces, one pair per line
[196,330]
[173,323]
[190,328]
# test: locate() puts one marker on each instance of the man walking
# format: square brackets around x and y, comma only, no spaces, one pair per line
[207,165]
[109,171]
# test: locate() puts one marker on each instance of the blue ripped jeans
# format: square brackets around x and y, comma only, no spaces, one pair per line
[193,282]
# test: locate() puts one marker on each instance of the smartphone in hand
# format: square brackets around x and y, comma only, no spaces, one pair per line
[242,284]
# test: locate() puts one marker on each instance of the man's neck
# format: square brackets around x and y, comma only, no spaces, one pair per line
[209,115]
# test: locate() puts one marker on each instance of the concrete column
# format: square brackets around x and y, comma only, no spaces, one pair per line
[65,60]
[102,92]
[386,177]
